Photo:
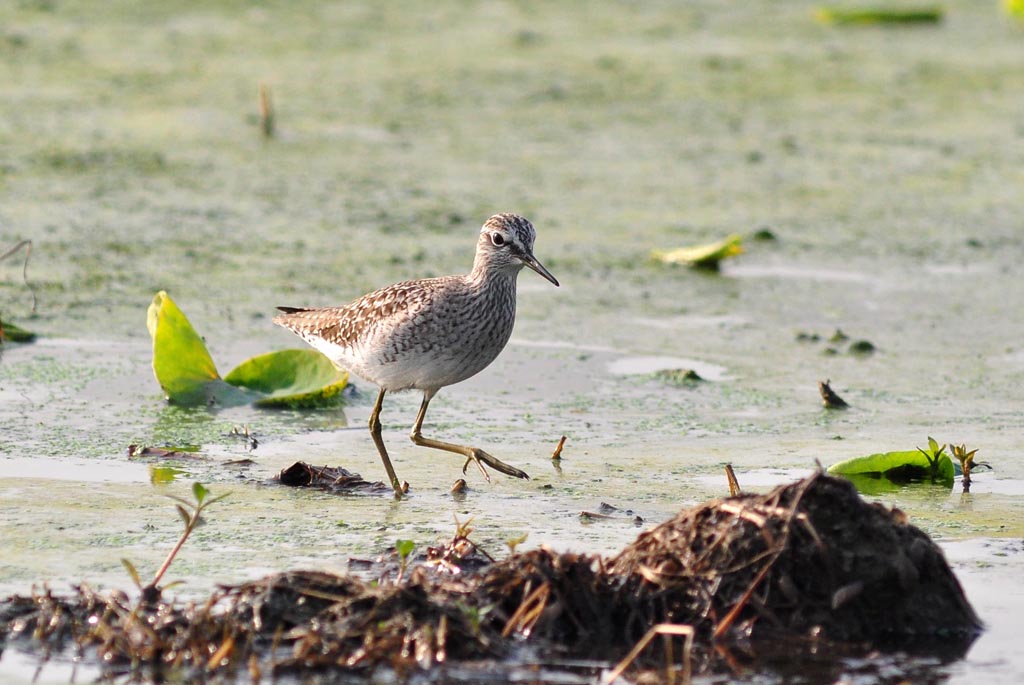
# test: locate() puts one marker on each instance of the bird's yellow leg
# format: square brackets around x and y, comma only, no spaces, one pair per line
[472,454]
[375,429]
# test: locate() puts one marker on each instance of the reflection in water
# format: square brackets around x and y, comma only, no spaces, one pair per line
[181,426]
[764,662]
[194,426]
[323,419]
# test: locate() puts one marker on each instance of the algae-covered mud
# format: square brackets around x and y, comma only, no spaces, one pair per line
[886,162]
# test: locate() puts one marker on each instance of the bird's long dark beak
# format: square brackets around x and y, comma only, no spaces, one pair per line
[531,261]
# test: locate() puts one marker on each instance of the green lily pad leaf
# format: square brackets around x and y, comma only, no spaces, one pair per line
[927,14]
[702,256]
[181,362]
[8,331]
[185,370]
[896,467]
[297,379]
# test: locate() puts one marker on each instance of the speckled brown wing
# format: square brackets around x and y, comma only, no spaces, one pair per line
[329,323]
[347,325]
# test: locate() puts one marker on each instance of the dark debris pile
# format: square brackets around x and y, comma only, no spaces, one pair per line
[809,560]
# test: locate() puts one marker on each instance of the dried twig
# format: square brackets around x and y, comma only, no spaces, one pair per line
[528,613]
[667,630]
[557,455]
[27,244]
[267,117]
[734,485]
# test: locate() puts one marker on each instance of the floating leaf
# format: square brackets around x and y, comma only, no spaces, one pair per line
[8,331]
[702,256]
[298,379]
[186,372]
[879,15]
[897,467]
[181,362]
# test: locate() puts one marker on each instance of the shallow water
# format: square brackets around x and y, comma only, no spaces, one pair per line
[886,161]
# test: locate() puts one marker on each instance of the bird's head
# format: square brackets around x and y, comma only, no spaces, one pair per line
[506,241]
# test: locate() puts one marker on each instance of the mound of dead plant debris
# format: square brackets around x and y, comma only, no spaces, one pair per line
[811,559]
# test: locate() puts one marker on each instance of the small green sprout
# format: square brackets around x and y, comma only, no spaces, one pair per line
[966,460]
[191,516]
[404,549]
[515,542]
[933,456]
[462,529]
[475,615]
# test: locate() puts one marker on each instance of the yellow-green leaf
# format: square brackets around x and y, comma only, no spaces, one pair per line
[199,491]
[926,14]
[185,370]
[291,378]
[8,331]
[899,467]
[182,364]
[181,361]
[704,256]
[404,547]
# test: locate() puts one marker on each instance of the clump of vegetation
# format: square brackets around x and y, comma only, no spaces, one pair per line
[857,348]
[809,558]
[679,377]
[862,347]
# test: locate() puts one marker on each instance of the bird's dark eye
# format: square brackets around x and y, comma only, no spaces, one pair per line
[497,239]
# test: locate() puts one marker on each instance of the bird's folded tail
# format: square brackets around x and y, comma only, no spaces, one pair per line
[286,319]
[328,324]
